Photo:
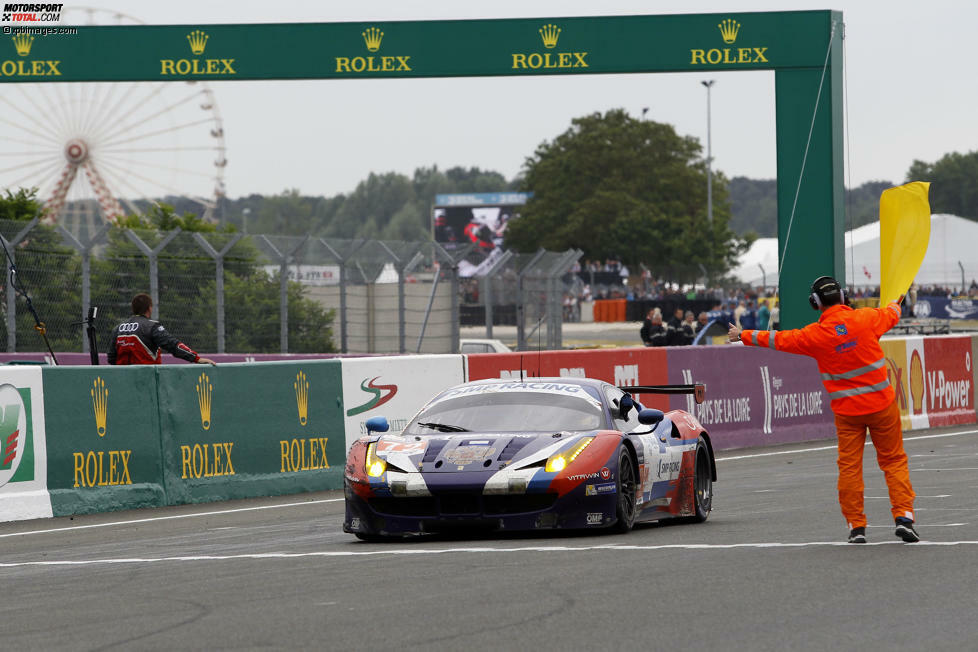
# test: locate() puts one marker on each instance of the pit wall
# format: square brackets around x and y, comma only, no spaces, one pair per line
[91,439]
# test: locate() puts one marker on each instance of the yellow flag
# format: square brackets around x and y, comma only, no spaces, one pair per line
[904,235]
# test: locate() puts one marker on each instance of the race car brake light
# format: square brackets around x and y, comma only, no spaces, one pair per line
[374,465]
[560,461]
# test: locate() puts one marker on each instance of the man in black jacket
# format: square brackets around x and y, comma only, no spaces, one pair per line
[141,340]
[653,332]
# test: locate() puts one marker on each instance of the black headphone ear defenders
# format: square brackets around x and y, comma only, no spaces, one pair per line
[823,283]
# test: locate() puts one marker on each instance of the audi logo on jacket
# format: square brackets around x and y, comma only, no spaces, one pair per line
[139,340]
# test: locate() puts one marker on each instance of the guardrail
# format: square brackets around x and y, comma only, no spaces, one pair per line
[90,439]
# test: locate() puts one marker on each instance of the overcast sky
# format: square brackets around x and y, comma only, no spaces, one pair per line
[912,82]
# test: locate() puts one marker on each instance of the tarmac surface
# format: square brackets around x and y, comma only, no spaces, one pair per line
[768,571]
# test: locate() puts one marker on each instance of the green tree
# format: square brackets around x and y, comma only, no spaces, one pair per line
[754,205]
[954,183]
[631,189]
[187,287]
[47,270]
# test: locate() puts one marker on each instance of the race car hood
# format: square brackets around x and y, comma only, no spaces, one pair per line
[470,451]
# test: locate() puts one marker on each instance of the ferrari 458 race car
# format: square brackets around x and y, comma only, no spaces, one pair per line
[546,453]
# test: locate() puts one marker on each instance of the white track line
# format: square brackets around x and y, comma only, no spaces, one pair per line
[473,550]
[832,448]
[170,518]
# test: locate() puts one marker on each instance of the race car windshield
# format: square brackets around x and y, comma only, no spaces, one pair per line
[510,412]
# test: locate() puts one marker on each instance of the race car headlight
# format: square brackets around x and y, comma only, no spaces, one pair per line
[560,461]
[375,466]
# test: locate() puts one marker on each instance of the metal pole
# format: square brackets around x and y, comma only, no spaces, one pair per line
[487,300]
[455,317]
[86,255]
[11,293]
[520,309]
[427,312]
[86,293]
[487,287]
[218,257]
[763,276]
[11,308]
[964,288]
[709,154]
[342,261]
[152,254]
[283,305]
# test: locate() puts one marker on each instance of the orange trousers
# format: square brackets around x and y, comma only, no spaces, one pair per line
[887,435]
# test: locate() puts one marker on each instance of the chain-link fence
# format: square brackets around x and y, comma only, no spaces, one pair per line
[223,292]
[525,290]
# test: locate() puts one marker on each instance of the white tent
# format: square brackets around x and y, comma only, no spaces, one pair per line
[952,251]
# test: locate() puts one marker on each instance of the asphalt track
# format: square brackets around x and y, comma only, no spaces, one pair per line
[768,571]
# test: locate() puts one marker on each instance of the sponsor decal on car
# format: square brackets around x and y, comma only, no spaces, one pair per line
[605,473]
[467,454]
[584,476]
[594,518]
[399,445]
[598,489]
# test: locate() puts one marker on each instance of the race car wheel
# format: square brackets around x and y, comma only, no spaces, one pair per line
[702,484]
[625,510]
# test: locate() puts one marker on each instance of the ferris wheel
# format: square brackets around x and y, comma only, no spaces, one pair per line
[97,151]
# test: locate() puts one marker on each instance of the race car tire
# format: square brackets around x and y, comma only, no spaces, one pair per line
[625,509]
[702,484]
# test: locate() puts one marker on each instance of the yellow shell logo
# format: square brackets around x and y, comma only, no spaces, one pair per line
[100,404]
[204,390]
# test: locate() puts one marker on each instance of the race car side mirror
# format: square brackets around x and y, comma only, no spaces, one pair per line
[650,416]
[377,424]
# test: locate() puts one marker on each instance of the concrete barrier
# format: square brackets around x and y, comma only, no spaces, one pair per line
[23,446]
[91,439]
[103,438]
[245,430]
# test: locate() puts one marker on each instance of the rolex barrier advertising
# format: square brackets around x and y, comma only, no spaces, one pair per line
[244,430]
[23,447]
[103,443]
[934,379]
[394,387]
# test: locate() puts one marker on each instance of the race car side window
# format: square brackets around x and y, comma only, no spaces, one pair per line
[630,422]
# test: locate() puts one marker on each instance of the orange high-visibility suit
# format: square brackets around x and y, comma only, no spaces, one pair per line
[845,343]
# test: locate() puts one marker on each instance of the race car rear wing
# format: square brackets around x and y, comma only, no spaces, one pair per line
[698,390]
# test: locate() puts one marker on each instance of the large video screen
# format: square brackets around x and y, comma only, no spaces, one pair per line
[477,218]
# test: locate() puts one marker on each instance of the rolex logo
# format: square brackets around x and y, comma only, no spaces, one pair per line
[301,386]
[728,30]
[372,37]
[198,41]
[23,44]
[549,33]
[204,389]
[100,400]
